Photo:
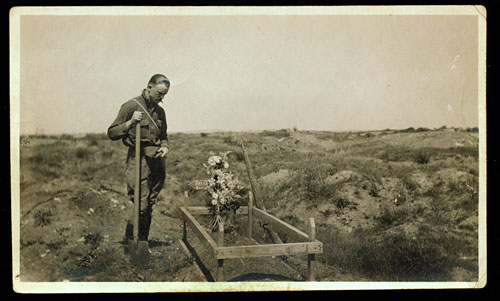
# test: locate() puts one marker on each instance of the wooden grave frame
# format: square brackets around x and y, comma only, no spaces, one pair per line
[307,244]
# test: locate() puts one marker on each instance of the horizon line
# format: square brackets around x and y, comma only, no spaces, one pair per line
[213,131]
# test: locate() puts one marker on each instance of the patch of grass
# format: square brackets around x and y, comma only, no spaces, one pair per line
[314,188]
[227,139]
[278,134]
[93,239]
[371,188]
[107,154]
[43,218]
[392,215]
[427,256]
[66,137]
[327,213]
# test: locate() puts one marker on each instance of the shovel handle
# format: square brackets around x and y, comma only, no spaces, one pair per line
[137,187]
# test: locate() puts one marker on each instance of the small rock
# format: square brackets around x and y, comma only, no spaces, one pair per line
[57,200]
[81,239]
[122,207]
[43,255]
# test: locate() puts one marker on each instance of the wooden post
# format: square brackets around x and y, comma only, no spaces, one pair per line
[220,234]
[184,230]
[250,214]
[220,243]
[256,193]
[311,257]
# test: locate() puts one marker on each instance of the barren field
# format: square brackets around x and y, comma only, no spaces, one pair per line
[389,206]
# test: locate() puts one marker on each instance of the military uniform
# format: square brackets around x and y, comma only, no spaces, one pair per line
[153,136]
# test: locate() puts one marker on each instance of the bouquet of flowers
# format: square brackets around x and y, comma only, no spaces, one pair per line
[222,186]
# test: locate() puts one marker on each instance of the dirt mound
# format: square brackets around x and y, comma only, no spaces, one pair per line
[436,139]
[343,176]
[423,181]
[274,178]
[310,140]
[452,174]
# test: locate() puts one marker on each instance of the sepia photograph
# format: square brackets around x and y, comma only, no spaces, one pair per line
[204,149]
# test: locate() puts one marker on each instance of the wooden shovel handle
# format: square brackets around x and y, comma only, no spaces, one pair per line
[137,187]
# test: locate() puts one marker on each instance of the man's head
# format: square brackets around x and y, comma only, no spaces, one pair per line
[158,87]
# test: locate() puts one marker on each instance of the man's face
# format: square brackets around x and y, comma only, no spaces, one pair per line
[157,92]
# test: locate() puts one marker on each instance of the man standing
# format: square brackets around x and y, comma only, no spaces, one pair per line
[154,147]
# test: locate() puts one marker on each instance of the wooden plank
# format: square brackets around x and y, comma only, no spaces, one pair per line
[199,210]
[269,250]
[280,225]
[191,259]
[184,230]
[198,229]
[312,229]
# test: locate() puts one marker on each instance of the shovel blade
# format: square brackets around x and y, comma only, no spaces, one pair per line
[138,251]
[130,247]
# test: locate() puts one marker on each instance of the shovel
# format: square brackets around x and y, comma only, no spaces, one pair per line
[138,249]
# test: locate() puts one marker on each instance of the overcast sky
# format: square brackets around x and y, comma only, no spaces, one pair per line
[238,73]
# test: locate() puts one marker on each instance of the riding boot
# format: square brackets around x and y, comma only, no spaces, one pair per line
[144,226]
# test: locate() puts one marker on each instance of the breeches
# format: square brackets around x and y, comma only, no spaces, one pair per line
[152,180]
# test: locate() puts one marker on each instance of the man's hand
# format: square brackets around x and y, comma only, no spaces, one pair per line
[161,152]
[136,117]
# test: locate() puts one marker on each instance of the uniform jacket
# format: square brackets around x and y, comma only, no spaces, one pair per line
[150,135]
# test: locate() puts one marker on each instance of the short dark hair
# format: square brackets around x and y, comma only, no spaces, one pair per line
[159,79]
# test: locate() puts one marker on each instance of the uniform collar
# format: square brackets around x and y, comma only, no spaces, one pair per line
[149,104]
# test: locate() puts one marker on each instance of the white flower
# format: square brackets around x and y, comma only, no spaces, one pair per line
[214,195]
[214,160]
[226,165]
[214,202]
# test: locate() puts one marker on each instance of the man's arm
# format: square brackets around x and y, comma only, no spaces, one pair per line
[163,150]
[163,132]
[125,119]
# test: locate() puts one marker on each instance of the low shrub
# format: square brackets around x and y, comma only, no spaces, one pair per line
[392,215]
[82,153]
[421,130]
[43,218]
[238,155]
[422,157]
